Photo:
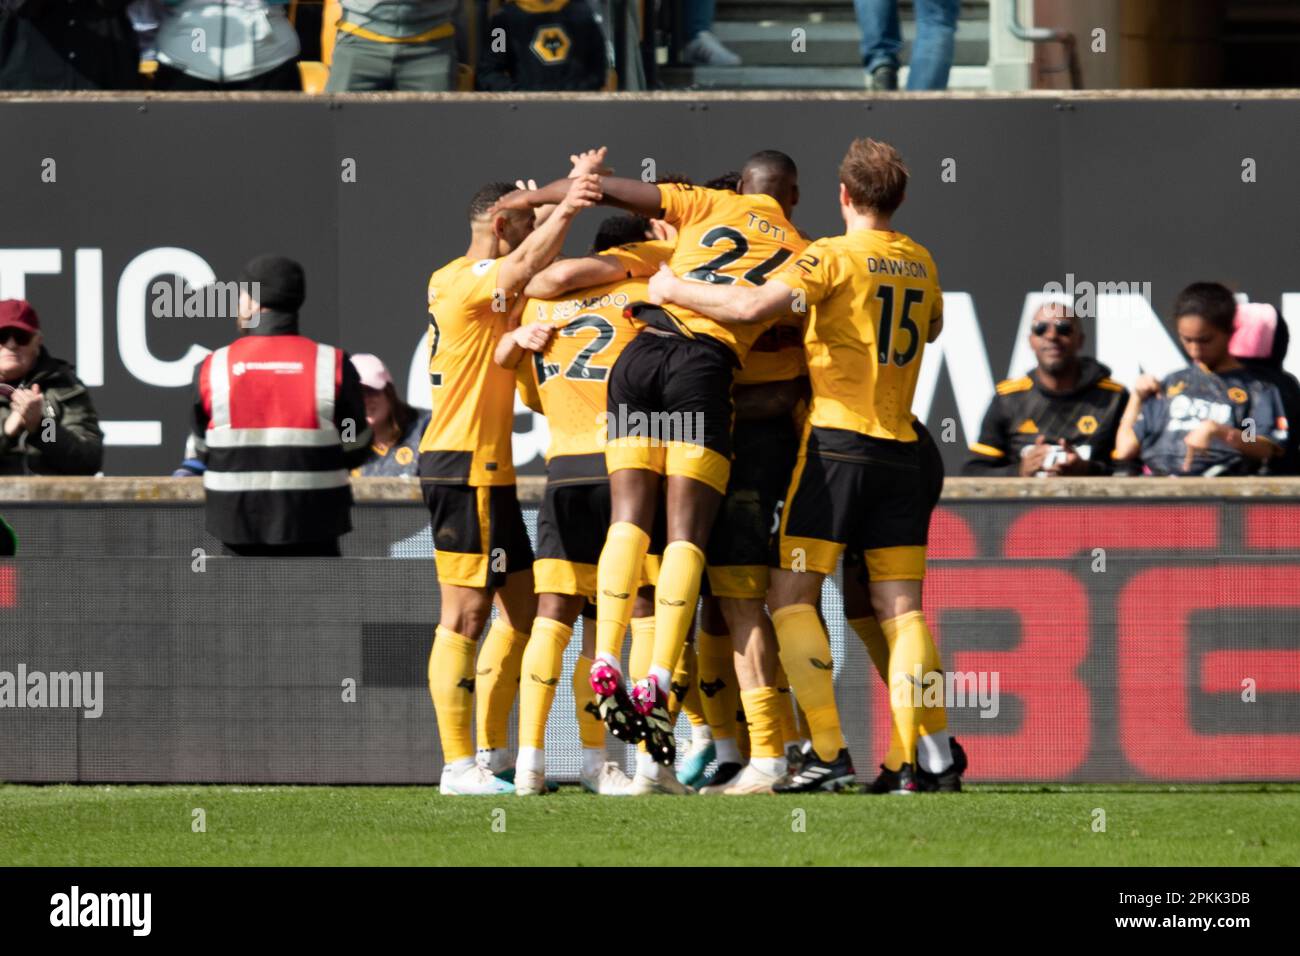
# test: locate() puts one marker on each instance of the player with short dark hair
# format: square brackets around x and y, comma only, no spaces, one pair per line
[676,378]
[483,555]
[873,299]
[568,344]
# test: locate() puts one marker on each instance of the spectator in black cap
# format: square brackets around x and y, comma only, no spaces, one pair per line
[278,421]
[49,424]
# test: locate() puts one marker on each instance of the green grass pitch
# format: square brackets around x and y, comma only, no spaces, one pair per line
[1228,825]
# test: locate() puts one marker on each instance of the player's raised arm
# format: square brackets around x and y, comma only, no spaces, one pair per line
[723,303]
[630,194]
[544,243]
[565,275]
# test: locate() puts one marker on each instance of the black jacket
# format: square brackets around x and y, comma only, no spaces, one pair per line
[546,45]
[67,45]
[1289,389]
[1087,417]
[75,446]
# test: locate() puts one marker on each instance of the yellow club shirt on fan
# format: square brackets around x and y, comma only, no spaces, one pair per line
[873,296]
[468,437]
[726,238]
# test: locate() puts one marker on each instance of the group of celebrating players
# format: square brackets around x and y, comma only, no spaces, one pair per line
[705,370]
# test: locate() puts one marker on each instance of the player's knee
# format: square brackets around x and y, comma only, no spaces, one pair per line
[741,614]
[559,607]
[891,599]
[465,619]
[793,587]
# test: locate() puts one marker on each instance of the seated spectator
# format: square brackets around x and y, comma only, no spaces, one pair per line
[1061,418]
[542,45]
[50,425]
[1215,417]
[1260,341]
[397,427]
[247,45]
[404,45]
[145,16]
[67,45]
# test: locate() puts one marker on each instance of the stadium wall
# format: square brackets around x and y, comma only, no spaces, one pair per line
[1126,198]
[1140,630]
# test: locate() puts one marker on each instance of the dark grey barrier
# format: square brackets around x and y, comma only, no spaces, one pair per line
[1147,632]
[1135,195]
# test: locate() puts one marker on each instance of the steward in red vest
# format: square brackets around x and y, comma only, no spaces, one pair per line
[278,420]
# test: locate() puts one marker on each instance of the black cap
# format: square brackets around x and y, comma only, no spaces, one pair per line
[281,283]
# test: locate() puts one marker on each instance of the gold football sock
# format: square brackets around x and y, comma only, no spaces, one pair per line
[762,714]
[591,729]
[785,708]
[617,575]
[539,678]
[742,732]
[496,682]
[873,637]
[806,656]
[676,595]
[451,685]
[718,695]
[912,656]
[686,687]
[643,646]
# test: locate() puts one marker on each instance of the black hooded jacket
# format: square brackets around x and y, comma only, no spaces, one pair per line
[1022,409]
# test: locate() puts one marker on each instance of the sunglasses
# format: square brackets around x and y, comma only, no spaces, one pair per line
[21,336]
[1063,327]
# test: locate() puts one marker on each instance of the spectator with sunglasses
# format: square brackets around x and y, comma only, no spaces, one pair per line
[49,424]
[1060,419]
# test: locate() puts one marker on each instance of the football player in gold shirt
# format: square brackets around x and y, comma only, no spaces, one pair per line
[670,412]
[874,301]
[567,344]
[467,477]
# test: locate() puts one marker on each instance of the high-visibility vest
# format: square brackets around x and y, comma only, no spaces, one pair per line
[275,471]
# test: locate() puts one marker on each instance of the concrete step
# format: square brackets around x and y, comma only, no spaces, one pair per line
[818,11]
[771,43]
[799,77]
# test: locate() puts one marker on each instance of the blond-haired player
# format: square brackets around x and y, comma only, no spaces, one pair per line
[873,300]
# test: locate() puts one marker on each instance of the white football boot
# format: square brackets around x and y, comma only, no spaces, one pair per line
[472,780]
[611,781]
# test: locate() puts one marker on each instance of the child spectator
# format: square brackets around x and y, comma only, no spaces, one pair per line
[397,426]
[1215,417]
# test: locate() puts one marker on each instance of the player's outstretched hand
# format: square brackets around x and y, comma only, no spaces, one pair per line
[661,285]
[585,191]
[533,337]
[591,161]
